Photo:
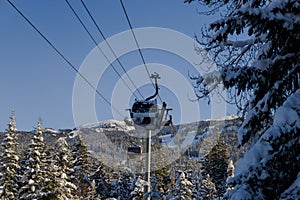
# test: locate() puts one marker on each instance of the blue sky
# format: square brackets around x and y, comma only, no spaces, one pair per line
[36,82]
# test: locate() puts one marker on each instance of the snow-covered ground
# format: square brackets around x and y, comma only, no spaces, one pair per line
[167,140]
[189,140]
[190,137]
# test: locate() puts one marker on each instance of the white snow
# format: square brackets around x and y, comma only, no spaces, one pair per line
[50,130]
[30,182]
[64,176]
[252,157]
[240,43]
[241,193]
[286,115]
[197,139]
[109,125]
[167,139]
[286,120]
[188,139]
[73,134]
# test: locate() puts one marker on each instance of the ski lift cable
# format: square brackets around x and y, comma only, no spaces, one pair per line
[138,46]
[95,42]
[63,57]
[108,44]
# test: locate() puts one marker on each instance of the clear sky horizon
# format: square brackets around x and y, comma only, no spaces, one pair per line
[36,82]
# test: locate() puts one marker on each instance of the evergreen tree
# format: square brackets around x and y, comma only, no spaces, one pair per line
[9,165]
[184,188]
[62,170]
[34,171]
[51,181]
[122,185]
[93,195]
[216,163]
[102,180]
[127,184]
[82,168]
[138,192]
[161,182]
[230,175]
[256,47]
[207,189]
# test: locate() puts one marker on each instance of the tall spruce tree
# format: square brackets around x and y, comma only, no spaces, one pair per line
[184,188]
[123,184]
[82,168]
[101,177]
[216,162]
[34,168]
[62,171]
[162,181]
[127,184]
[9,165]
[255,44]
[207,189]
[51,181]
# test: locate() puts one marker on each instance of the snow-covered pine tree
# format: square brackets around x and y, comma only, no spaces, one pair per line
[33,167]
[51,181]
[230,175]
[102,180]
[207,190]
[138,192]
[293,191]
[162,181]
[122,184]
[192,169]
[270,169]
[127,184]
[93,195]
[184,188]
[9,165]
[82,168]
[62,171]
[114,184]
[255,44]
[216,162]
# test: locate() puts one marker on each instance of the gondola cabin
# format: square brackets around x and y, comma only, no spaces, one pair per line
[134,150]
[144,113]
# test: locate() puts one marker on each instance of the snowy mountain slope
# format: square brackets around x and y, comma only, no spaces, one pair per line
[109,140]
[109,125]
